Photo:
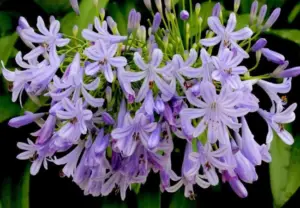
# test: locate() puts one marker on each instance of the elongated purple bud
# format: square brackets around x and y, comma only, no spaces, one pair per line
[131,20]
[159,105]
[154,138]
[148,4]
[253,12]
[184,15]
[216,10]
[276,73]
[261,43]
[156,22]
[24,120]
[168,115]
[272,19]
[47,130]
[101,142]
[273,56]
[75,6]
[238,187]
[262,14]
[107,118]
[292,72]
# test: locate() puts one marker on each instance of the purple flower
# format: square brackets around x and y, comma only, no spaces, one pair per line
[226,35]
[24,120]
[101,34]
[228,69]
[72,83]
[218,111]
[179,68]
[105,60]
[75,6]
[49,38]
[276,120]
[23,24]
[77,116]
[132,132]
[184,15]
[150,74]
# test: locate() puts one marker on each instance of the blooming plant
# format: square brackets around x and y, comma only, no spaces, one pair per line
[117,102]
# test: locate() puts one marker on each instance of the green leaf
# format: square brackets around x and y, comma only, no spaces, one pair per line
[109,203]
[120,14]
[6,23]
[87,14]
[179,201]
[7,47]
[289,34]
[136,187]
[8,109]
[34,106]
[294,13]
[149,199]
[16,195]
[242,21]
[284,170]
[54,6]
[206,10]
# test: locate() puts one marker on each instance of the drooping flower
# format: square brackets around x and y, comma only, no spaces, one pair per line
[276,119]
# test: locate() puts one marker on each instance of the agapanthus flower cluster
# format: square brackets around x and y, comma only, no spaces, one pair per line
[116,103]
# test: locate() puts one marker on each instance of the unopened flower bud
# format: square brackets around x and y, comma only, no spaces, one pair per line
[75,30]
[102,13]
[75,6]
[148,4]
[237,4]
[261,43]
[158,5]
[168,5]
[108,93]
[253,11]
[156,22]
[184,15]
[262,14]
[216,10]
[197,9]
[272,19]
[273,56]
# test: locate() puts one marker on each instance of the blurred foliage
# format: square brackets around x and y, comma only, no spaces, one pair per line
[284,169]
